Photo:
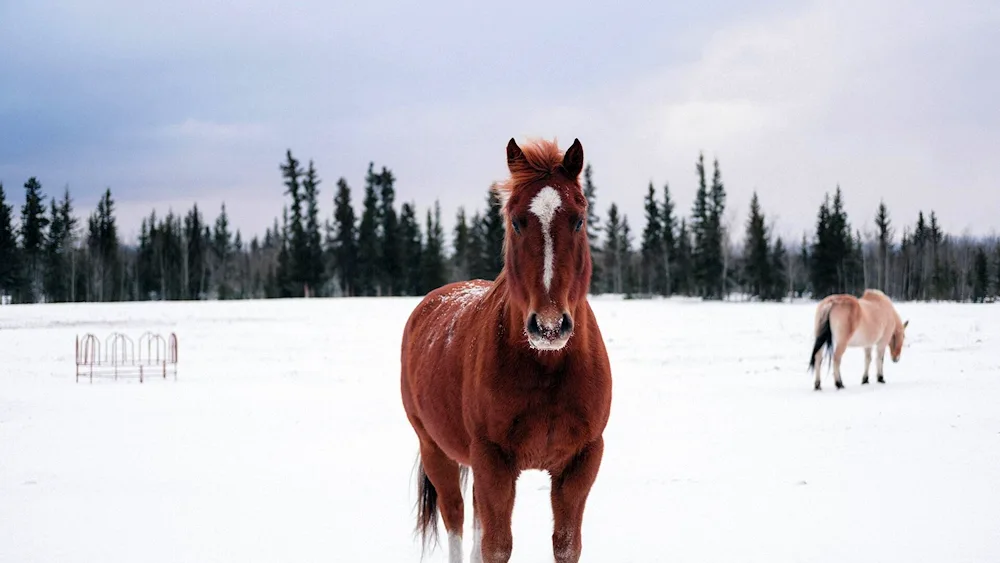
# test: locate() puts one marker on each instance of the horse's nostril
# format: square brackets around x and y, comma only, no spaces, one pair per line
[567,324]
[533,327]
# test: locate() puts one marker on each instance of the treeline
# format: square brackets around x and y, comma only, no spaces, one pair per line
[400,250]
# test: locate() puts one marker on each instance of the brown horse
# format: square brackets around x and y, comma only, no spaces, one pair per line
[844,321]
[505,376]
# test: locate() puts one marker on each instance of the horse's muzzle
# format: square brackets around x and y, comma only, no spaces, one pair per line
[549,332]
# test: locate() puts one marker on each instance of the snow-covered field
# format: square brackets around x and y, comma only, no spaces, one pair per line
[283,439]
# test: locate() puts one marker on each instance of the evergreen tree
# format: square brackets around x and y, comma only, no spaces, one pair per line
[996,263]
[716,264]
[701,228]
[653,271]
[823,259]
[433,261]
[669,242]
[197,249]
[222,249]
[312,270]
[460,260]
[33,234]
[757,253]
[345,246]
[613,252]
[779,271]
[392,249]
[981,276]
[493,235]
[412,248]
[479,267]
[58,250]
[631,276]
[10,263]
[103,245]
[593,230]
[369,254]
[884,226]
[298,243]
[683,263]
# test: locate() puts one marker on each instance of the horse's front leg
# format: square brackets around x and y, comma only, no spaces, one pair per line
[570,489]
[880,361]
[868,361]
[493,487]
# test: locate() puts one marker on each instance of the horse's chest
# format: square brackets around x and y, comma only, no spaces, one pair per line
[545,436]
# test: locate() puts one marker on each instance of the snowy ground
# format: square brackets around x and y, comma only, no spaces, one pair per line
[284,439]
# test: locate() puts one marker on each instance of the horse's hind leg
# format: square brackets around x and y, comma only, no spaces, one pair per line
[445,476]
[868,361]
[838,354]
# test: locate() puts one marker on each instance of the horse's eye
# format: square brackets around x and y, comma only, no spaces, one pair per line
[517,228]
[579,225]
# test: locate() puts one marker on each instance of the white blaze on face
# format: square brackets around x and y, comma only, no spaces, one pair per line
[544,206]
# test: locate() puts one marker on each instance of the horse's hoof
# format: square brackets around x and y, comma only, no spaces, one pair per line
[864,381]
[816,387]
[880,380]
[840,385]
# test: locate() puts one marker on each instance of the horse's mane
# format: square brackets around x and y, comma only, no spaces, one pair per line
[542,160]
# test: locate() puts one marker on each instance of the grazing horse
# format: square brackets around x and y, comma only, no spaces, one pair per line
[510,375]
[844,321]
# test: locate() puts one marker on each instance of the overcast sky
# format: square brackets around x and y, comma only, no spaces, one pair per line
[182,101]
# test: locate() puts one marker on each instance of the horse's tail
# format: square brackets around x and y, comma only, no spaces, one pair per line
[824,338]
[427,508]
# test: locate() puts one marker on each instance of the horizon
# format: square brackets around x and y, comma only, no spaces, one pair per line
[167,107]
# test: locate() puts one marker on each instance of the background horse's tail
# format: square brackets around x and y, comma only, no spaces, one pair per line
[823,338]
[427,508]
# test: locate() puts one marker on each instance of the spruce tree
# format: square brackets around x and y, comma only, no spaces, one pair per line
[479,267]
[10,263]
[33,233]
[460,246]
[757,253]
[391,247]
[653,273]
[779,271]
[298,244]
[222,250]
[593,230]
[493,235]
[629,270]
[58,250]
[313,268]
[432,257]
[700,233]
[613,252]
[369,251]
[885,233]
[683,263]
[669,241]
[345,245]
[197,254]
[412,247]
[716,264]
[981,276]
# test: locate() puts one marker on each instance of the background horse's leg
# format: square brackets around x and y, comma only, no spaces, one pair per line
[838,354]
[569,495]
[493,485]
[444,475]
[880,360]
[819,366]
[868,361]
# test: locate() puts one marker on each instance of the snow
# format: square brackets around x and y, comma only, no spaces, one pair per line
[283,439]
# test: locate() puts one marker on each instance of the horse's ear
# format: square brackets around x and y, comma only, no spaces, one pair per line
[515,158]
[573,159]
[906,324]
